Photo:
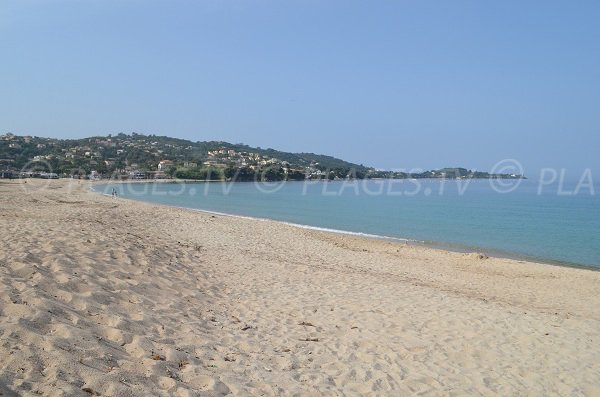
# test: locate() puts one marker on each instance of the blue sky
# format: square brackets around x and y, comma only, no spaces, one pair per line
[393,84]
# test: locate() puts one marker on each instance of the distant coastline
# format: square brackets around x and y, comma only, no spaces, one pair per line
[145,157]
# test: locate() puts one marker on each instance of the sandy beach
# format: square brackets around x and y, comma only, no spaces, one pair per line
[109,297]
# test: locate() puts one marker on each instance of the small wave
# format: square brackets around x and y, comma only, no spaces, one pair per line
[308,227]
[347,232]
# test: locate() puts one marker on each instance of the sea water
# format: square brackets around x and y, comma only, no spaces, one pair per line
[517,218]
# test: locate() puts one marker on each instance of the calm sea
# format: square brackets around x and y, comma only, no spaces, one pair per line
[512,218]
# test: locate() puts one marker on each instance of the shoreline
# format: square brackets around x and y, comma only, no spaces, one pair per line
[437,245]
[123,297]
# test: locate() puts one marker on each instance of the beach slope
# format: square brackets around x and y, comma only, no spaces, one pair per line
[102,296]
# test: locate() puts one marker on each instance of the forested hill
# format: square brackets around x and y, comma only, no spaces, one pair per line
[295,159]
[146,151]
[161,156]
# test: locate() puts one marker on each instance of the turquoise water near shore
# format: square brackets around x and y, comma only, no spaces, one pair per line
[545,223]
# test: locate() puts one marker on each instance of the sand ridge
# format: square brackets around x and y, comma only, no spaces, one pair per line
[116,298]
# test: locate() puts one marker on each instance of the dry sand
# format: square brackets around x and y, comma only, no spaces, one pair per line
[116,298]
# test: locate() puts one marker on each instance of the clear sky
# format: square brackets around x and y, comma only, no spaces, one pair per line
[392,84]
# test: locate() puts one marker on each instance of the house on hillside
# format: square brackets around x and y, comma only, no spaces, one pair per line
[164,165]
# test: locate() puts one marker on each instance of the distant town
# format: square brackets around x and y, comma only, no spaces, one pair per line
[150,157]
